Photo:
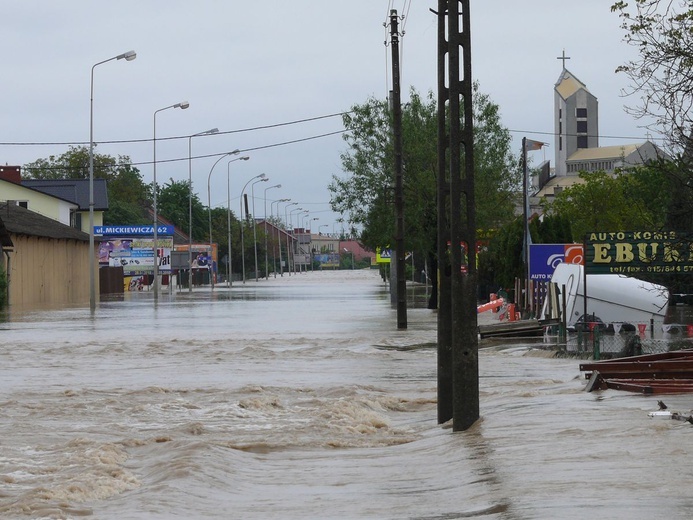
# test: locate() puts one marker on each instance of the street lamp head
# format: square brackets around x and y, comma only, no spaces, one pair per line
[182,105]
[235,152]
[261,176]
[129,56]
[244,158]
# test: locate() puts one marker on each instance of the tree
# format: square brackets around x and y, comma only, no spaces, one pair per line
[662,75]
[365,192]
[128,195]
[173,204]
[606,203]
[502,260]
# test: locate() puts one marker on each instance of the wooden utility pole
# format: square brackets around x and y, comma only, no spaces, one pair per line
[400,269]
[461,211]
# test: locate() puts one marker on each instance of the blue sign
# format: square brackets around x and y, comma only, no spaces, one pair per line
[543,259]
[132,231]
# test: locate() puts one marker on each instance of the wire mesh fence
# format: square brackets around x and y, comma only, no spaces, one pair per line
[597,345]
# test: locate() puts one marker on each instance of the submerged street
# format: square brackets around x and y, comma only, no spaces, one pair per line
[297,397]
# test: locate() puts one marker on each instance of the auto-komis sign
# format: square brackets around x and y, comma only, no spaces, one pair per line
[633,252]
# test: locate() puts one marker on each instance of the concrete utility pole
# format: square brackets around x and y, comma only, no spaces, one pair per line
[464,345]
[400,272]
[443,202]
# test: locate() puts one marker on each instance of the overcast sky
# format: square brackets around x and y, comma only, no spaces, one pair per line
[245,64]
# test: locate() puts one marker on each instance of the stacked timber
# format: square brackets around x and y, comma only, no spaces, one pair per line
[511,329]
[665,373]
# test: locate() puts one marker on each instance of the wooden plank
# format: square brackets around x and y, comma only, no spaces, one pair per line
[684,365]
[648,386]
[676,354]
[511,328]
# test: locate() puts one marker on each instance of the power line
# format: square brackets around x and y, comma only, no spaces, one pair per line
[126,141]
[244,150]
[554,134]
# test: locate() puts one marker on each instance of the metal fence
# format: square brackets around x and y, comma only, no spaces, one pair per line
[597,345]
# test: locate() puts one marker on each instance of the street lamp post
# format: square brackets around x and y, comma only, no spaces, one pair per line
[252,195]
[206,132]
[300,221]
[182,105]
[265,215]
[229,264]
[261,176]
[310,247]
[129,56]
[279,243]
[287,225]
[292,261]
[209,211]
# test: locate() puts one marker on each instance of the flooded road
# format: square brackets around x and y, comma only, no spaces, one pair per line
[298,398]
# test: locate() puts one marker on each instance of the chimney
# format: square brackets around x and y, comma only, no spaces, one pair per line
[11,174]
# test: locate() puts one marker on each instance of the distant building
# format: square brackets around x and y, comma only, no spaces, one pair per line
[576,141]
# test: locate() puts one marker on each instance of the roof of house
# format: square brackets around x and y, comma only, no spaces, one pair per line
[73,190]
[21,221]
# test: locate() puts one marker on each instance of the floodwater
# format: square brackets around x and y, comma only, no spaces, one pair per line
[297,398]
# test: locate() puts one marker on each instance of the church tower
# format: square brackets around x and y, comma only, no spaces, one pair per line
[576,118]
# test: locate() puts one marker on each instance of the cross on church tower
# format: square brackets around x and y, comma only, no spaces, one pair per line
[564,57]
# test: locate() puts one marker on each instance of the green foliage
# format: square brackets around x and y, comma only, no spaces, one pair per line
[662,33]
[637,199]
[502,260]
[128,196]
[173,203]
[365,193]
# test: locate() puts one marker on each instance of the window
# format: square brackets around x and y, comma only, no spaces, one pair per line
[580,112]
[582,127]
[582,141]
[560,142]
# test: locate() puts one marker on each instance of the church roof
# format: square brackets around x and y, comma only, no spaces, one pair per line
[568,84]
[549,189]
[605,152]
